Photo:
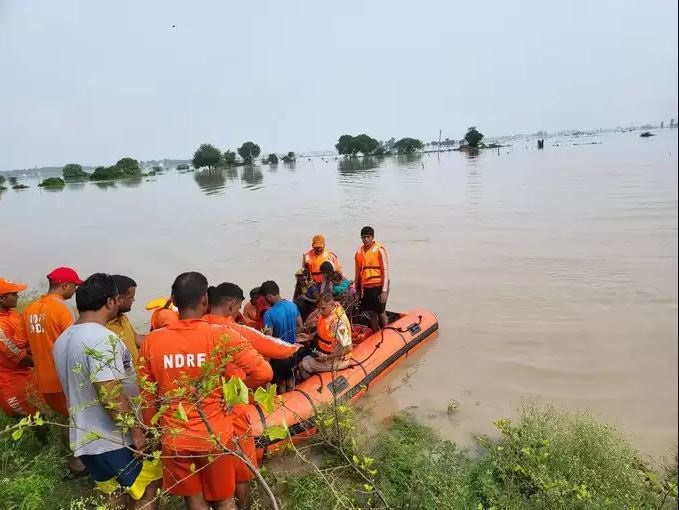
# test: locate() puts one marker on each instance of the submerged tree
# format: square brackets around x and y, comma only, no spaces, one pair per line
[289,157]
[206,155]
[345,145]
[408,145]
[473,137]
[272,159]
[129,167]
[230,158]
[74,172]
[365,144]
[362,143]
[249,151]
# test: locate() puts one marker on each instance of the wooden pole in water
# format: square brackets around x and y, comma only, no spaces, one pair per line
[438,148]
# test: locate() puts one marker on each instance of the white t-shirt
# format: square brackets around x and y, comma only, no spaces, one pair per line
[84,354]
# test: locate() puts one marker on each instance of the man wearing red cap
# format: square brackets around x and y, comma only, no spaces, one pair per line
[46,319]
[16,375]
[312,259]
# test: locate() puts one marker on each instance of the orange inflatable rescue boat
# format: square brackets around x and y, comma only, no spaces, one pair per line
[373,357]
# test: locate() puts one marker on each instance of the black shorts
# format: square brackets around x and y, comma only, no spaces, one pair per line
[282,368]
[370,302]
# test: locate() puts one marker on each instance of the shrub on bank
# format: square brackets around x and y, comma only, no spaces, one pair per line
[548,460]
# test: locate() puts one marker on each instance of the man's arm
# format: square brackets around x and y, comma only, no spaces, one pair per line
[265,345]
[147,386]
[117,405]
[337,265]
[245,357]
[107,373]
[384,262]
[357,274]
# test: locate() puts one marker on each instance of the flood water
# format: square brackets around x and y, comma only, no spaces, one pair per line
[553,273]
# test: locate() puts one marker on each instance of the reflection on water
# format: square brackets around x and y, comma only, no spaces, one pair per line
[105,185]
[291,165]
[210,181]
[252,176]
[133,182]
[552,272]
[75,186]
[355,165]
[409,160]
[52,189]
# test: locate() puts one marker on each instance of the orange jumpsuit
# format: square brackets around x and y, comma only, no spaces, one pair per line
[17,382]
[46,319]
[174,357]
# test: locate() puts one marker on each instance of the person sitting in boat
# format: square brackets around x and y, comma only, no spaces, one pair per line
[333,332]
[250,310]
[307,301]
[302,282]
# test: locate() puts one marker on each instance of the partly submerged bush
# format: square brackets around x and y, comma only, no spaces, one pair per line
[52,182]
[74,172]
[106,173]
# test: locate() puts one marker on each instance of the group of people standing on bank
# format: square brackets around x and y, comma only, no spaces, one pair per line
[94,368]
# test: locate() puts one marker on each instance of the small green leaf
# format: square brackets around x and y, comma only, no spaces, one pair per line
[367,487]
[277,432]
[192,467]
[266,398]
[16,435]
[155,457]
[161,411]
[180,413]
[235,391]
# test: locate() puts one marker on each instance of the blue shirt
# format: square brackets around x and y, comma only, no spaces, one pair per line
[282,319]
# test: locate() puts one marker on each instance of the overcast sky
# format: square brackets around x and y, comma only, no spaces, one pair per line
[88,81]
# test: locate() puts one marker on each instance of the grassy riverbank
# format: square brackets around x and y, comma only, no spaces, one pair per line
[547,459]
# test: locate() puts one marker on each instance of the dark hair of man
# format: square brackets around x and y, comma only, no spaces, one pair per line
[254,293]
[54,285]
[95,292]
[327,267]
[324,298]
[269,288]
[224,292]
[367,231]
[188,289]
[123,283]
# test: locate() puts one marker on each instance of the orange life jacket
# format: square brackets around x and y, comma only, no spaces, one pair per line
[313,262]
[368,262]
[327,330]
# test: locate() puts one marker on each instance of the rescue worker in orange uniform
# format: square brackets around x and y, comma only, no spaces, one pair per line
[46,319]
[225,301]
[312,259]
[334,339]
[164,313]
[174,358]
[372,276]
[17,384]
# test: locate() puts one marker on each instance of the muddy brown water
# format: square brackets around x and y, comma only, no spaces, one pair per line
[553,273]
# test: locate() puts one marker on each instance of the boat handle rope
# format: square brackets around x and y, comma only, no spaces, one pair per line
[357,363]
